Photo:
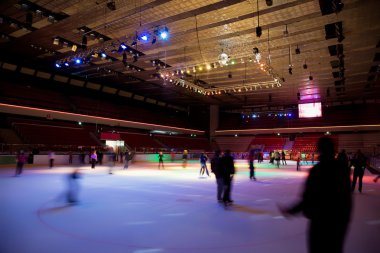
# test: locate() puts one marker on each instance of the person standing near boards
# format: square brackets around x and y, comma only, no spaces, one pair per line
[161,160]
[93,159]
[20,161]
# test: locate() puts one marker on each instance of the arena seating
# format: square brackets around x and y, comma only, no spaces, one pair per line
[235,144]
[64,133]
[269,143]
[181,143]
[139,140]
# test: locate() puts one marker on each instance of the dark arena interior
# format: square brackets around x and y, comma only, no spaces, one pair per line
[112,110]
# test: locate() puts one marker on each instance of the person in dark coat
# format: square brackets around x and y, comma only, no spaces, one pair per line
[161,160]
[20,161]
[72,193]
[228,167]
[217,169]
[326,202]
[360,163]
[251,159]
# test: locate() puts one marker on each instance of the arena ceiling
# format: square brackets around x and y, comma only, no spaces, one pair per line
[332,46]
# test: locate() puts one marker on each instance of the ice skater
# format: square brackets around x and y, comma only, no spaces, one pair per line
[20,161]
[93,159]
[216,168]
[161,160]
[73,187]
[325,201]
[203,160]
[251,159]
[359,162]
[228,167]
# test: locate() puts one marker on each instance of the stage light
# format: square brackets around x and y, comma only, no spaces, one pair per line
[78,61]
[123,46]
[298,51]
[124,61]
[144,36]
[164,35]
[66,64]
[57,65]
[103,55]
[208,67]
[259,31]
[111,5]
[56,41]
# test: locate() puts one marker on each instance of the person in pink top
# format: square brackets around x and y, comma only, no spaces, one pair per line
[20,160]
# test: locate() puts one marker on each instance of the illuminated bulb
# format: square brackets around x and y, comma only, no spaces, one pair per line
[208,67]
[200,68]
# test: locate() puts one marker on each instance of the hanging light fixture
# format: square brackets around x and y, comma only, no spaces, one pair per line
[259,30]
[223,59]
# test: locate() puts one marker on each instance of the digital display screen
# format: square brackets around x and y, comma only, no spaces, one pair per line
[310,110]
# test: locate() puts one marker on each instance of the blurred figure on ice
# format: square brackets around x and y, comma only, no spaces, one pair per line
[326,201]
[161,160]
[73,187]
[51,156]
[251,159]
[93,159]
[216,168]
[20,161]
[228,166]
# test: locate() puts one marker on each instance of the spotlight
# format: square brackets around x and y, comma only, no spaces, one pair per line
[269,2]
[259,31]
[78,61]
[164,34]
[66,64]
[298,51]
[84,42]
[29,19]
[103,55]
[290,71]
[144,36]
[57,65]
[124,61]
[111,5]
[340,38]
[74,48]
[56,41]
[154,40]
[123,46]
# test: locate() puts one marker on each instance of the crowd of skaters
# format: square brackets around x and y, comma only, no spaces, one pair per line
[327,208]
